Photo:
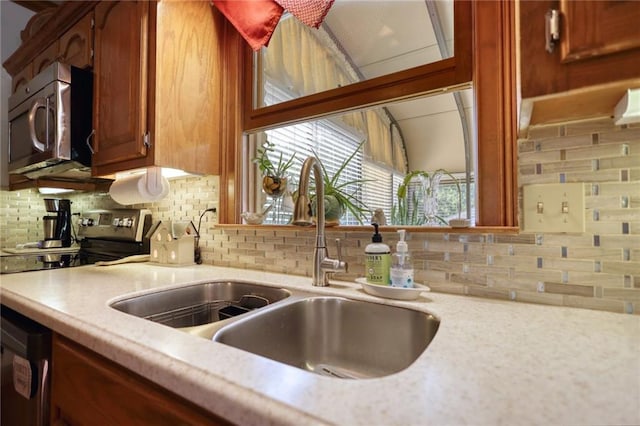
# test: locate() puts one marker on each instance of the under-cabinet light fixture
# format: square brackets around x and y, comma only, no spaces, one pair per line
[166,172]
[50,191]
[628,109]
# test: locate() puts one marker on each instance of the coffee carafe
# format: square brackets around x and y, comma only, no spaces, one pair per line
[60,223]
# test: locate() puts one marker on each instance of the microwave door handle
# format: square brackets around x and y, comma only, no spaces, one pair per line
[38,103]
[46,122]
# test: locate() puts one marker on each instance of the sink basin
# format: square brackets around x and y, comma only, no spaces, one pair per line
[194,308]
[334,336]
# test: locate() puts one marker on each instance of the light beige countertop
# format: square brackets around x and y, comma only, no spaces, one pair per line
[491,362]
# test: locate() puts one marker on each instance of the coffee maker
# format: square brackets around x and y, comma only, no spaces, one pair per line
[57,228]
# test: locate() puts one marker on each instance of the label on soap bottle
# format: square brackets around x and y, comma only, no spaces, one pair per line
[377,268]
[401,277]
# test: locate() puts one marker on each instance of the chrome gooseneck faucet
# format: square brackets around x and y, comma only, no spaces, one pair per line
[322,263]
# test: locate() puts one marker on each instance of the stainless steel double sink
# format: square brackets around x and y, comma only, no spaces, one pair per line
[328,335]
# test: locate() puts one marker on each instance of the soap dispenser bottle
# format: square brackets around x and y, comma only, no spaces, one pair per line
[377,260]
[401,268]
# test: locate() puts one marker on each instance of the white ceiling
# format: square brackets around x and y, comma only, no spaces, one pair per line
[384,36]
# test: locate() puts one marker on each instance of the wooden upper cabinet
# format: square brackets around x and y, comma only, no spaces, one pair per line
[49,36]
[75,47]
[120,81]
[601,28]
[158,71]
[590,68]
[599,44]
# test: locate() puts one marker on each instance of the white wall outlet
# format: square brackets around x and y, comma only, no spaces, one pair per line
[553,207]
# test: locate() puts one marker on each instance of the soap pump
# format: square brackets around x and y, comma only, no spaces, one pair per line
[377,260]
[401,269]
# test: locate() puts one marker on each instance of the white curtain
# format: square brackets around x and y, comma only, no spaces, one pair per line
[304,61]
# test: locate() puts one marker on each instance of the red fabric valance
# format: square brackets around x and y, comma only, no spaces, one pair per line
[256,20]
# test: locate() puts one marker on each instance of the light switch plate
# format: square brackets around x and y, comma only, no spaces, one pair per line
[543,206]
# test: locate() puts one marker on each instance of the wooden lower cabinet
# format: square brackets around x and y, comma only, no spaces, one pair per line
[88,389]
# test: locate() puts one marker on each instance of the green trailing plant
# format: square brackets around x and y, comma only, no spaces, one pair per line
[267,166]
[339,191]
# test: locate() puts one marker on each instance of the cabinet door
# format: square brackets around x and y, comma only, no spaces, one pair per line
[87,389]
[120,80]
[599,45]
[76,45]
[601,28]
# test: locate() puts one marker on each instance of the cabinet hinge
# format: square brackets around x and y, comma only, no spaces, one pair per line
[552,29]
[91,53]
[146,140]
[93,23]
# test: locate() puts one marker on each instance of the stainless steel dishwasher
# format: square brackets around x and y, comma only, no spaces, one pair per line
[26,353]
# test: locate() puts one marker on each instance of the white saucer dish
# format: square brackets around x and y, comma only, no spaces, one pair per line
[389,292]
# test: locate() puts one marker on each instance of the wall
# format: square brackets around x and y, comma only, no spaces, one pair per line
[598,269]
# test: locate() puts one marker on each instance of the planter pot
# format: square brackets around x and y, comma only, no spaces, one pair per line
[274,186]
[333,210]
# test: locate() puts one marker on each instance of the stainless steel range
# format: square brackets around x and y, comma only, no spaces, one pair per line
[101,235]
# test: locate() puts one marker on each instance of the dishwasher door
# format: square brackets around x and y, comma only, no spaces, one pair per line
[26,352]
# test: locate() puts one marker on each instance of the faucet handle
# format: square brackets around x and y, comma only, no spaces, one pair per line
[339,247]
[341,266]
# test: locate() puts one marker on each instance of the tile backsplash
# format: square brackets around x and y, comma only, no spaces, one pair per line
[21,211]
[598,269]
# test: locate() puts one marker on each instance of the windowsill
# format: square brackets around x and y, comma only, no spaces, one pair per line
[394,228]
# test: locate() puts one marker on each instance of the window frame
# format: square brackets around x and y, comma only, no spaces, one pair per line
[450,73]
[485,49]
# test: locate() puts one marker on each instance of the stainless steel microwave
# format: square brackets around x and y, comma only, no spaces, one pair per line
[50,124]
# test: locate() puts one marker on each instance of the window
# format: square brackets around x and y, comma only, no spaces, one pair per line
[486,28]
[376,171]
[333,140]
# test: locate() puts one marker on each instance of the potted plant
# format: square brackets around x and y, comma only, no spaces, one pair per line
[274,175]
[401,214]
[337,197]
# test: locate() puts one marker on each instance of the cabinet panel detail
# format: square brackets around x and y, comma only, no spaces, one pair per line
[22,78]
[46,58]
[76,45]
